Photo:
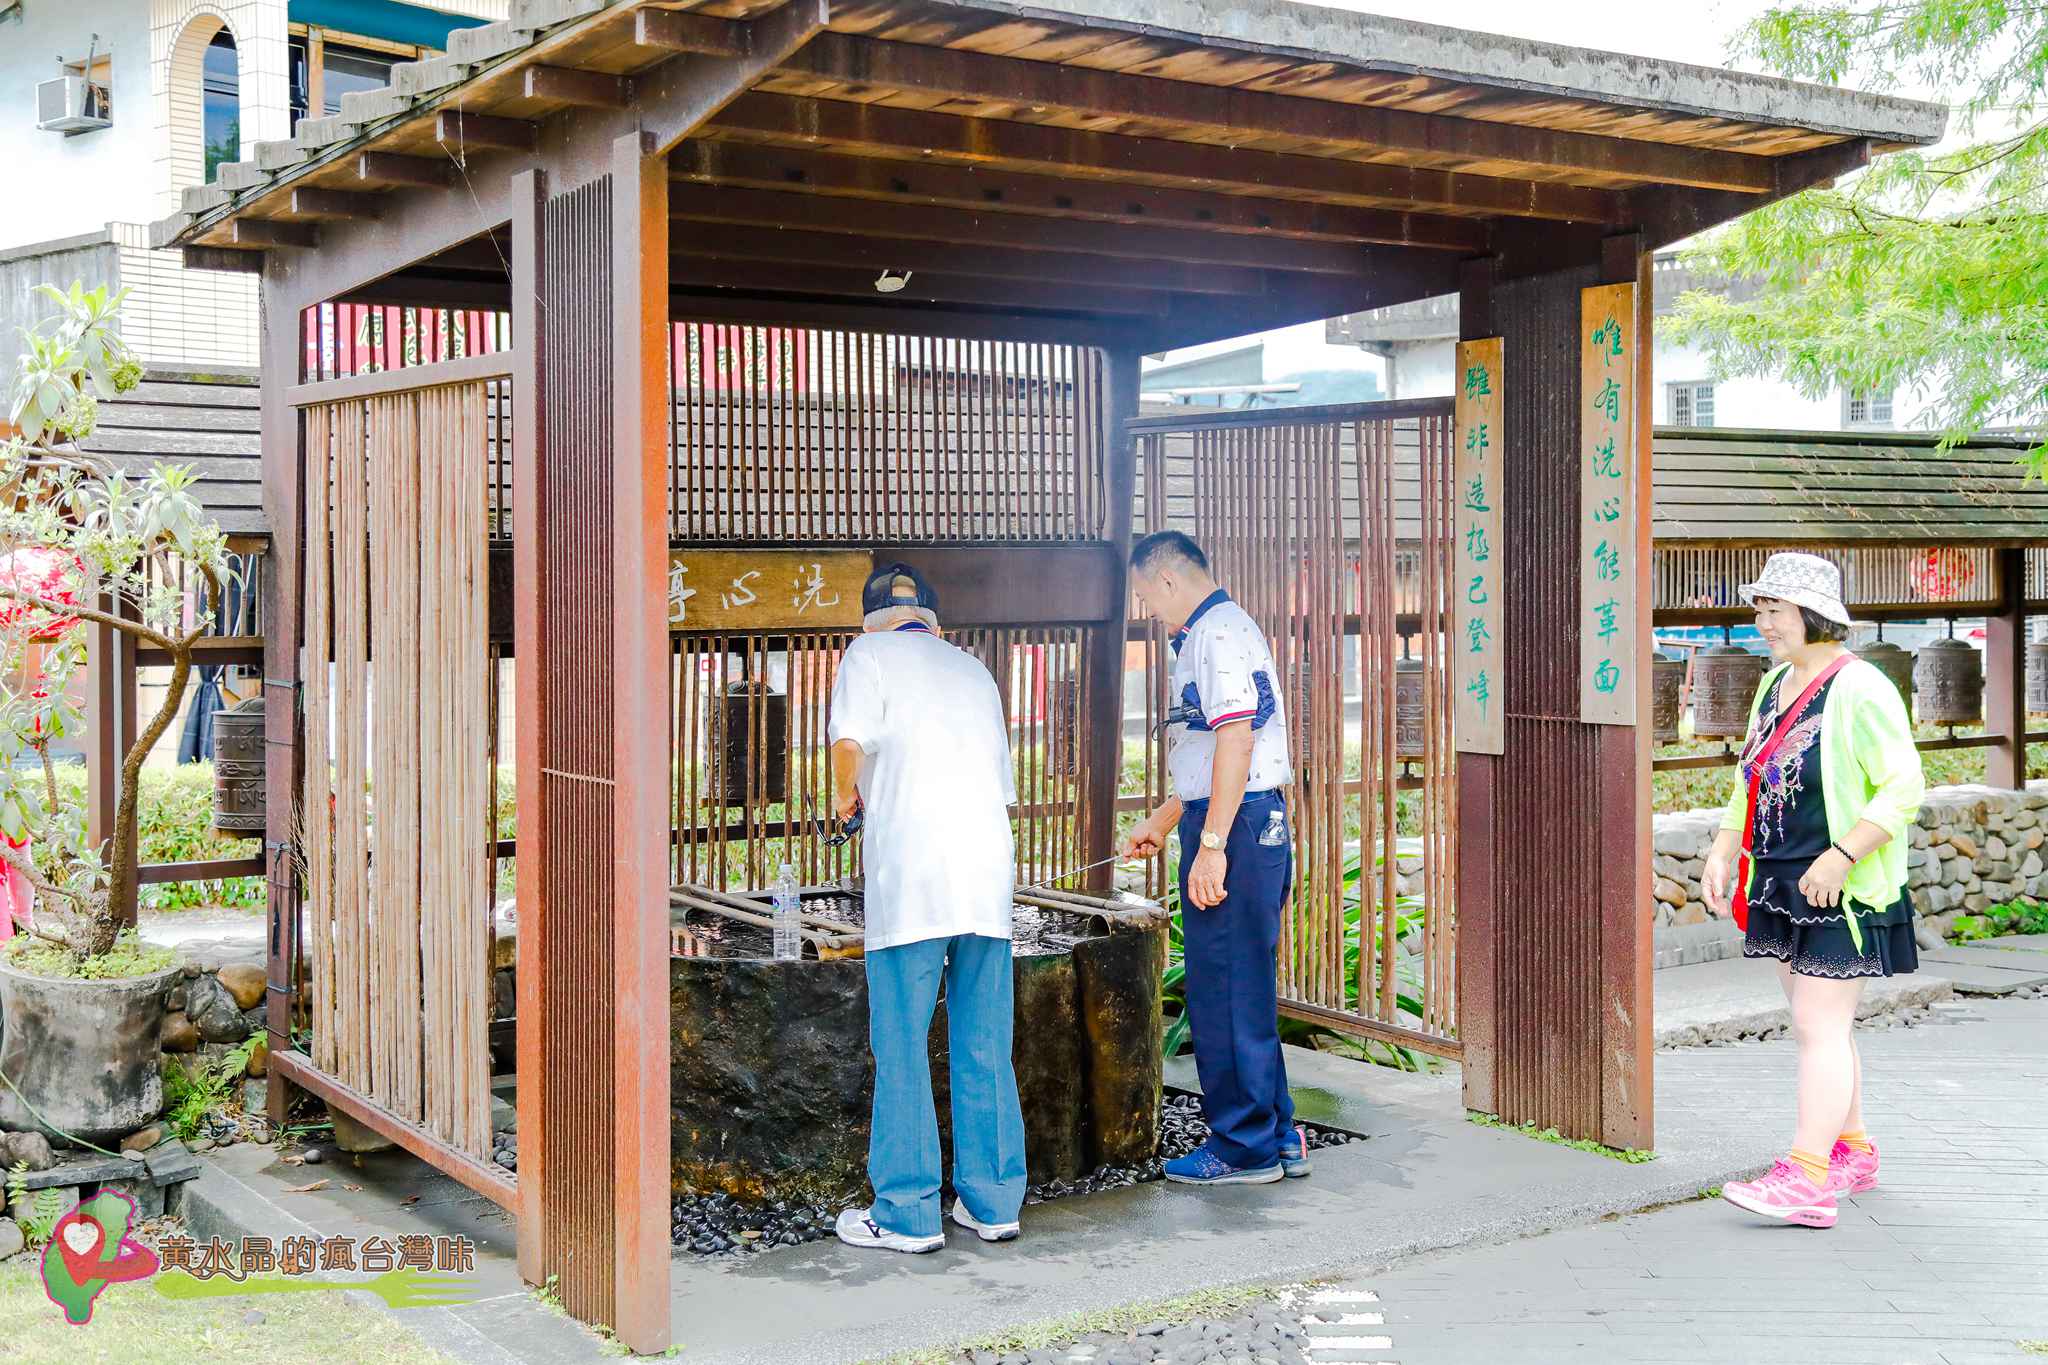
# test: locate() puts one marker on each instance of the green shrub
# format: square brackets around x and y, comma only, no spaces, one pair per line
[130,957]
[2013,917]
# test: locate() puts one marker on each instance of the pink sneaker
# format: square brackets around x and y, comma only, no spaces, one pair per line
[1786,1195]
[1851,1171]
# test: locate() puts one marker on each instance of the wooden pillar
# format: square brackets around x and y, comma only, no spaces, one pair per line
[1104,746]
[640,754]
[2005,674]
[1554,853]
[283,479]
[1478,775]
[590,538]
[529,439]
[1627,1022]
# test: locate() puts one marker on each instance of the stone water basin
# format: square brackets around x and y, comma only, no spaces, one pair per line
[771,1079]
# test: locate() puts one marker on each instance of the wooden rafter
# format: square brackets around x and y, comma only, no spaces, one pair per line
[986,189]
[737,242]
[771,208]
[1441,141]
[921,135]
[923,287]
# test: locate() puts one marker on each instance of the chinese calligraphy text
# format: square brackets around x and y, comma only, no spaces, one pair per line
[1475,642]
[1608,549]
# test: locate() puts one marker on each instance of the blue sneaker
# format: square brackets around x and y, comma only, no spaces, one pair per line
[1204,1167]
[1294,1153]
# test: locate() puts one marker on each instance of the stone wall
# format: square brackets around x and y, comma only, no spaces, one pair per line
[1972,847]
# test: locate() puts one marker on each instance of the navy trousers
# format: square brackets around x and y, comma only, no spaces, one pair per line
[1232,955]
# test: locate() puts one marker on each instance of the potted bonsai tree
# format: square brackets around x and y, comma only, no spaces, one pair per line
[82,1000]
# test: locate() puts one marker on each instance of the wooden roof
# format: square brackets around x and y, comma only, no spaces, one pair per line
[207,420]
[1717,487]
[1182,166]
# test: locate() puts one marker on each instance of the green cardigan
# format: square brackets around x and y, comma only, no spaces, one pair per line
[1869,771]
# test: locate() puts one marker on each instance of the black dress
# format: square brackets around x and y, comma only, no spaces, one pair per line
[1791,831]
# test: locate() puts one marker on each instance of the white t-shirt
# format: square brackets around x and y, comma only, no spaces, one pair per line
[936,784]
[1223,673]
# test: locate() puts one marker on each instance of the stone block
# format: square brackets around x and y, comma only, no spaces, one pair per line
[1995,849]
[245,982]
[1963,844]
[351,1136]
[25,1149]
[12,1241]
[1665,865]
[2032,867]
[1670,892]
[1690,914]
[147,1195]
[214,1013]
[23,1205]
[171,1164]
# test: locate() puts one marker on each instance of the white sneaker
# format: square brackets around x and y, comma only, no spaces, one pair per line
[988,1232]
[857,1228]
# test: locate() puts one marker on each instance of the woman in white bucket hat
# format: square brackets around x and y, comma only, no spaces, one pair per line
[1811,861]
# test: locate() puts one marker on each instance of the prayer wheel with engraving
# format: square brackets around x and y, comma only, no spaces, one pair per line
[238,767]
[2037,678]
[746,715]
[1724,683]
[1667,696]
[1409,730]
[1948,684]
[1894,663]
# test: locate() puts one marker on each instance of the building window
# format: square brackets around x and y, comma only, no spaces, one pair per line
[333,69]
[1692,405]
[1867,408]
[221,102]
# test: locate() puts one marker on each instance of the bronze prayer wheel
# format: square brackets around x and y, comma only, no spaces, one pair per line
[744,714]
[1724,683]
[1948,683]
[1894,663]
[1409,731]
[1667,696]
[2037,678]
[238,767]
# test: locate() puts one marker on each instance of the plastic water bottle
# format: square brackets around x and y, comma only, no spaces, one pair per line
[789,943]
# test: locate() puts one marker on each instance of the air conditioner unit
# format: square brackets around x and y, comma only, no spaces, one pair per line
[71,104]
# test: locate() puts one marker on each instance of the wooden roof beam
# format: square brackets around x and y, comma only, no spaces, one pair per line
[268,232]
[398,171]
[487,132]
[672,31]
[990,189]
[728,241]
[766,277]
[1441,140]
[921,135]
[309,201]
[773,209]
[584,89]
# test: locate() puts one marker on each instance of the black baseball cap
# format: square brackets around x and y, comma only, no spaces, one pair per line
[897,585]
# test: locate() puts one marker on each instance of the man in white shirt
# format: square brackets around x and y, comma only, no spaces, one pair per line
[1228,763]
[921,747]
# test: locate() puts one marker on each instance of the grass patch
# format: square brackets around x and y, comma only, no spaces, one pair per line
[1634,1156]
[130,957]
[1997,921]
[1209,1303]
[134,1325]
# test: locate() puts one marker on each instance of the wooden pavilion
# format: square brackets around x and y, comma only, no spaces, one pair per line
[1095,181]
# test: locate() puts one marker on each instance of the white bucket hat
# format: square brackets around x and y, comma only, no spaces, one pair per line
[1803,580]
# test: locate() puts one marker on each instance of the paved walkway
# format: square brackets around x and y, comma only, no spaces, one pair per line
[1945,1264]
[1947,1261]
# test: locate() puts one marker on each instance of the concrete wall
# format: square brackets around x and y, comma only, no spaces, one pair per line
[93,257]
[61,185]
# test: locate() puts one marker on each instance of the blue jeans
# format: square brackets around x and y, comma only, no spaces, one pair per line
[1231,951]
[988,1125]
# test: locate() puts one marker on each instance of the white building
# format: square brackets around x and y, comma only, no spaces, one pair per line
[1416,342]
[108,108]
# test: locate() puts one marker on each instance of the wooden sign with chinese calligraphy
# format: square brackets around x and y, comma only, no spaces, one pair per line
[1477,463]
[1607,500]
[734,590]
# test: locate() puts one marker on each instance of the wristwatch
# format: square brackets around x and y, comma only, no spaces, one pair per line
[1211,839]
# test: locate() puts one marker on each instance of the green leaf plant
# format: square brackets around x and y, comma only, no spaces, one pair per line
[81,545]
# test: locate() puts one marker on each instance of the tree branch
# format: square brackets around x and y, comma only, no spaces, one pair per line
[93,614]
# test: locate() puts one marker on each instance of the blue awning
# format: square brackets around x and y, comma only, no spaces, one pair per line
[386,19]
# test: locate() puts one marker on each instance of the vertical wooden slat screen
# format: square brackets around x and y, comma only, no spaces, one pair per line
[1334,532]
[317,804]
[397,912]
